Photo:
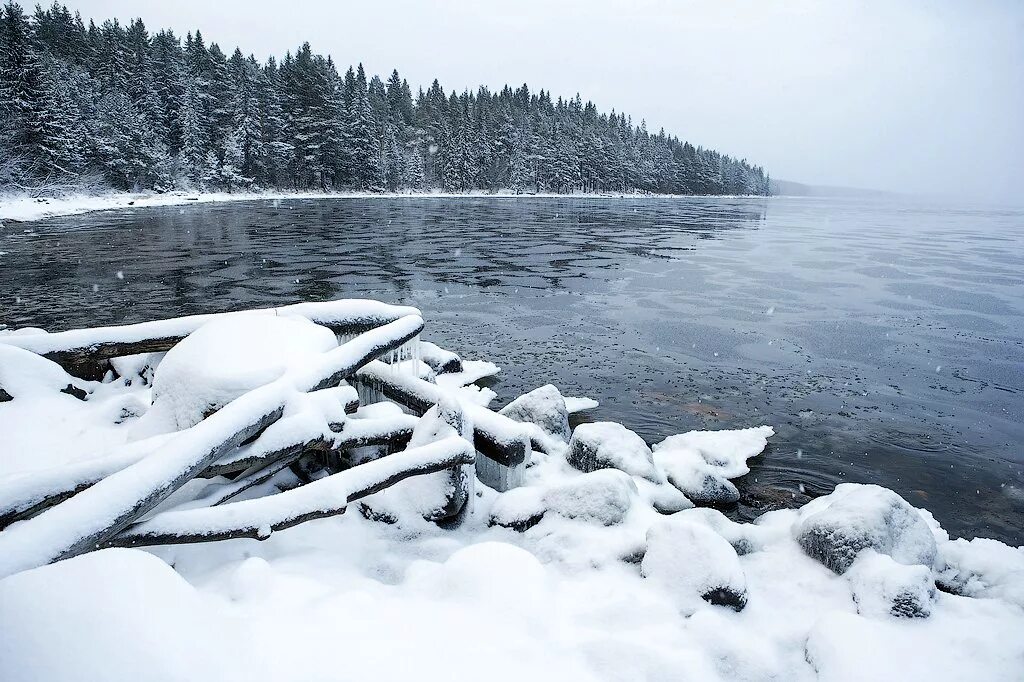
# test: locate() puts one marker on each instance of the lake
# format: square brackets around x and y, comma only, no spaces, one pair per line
[883,339]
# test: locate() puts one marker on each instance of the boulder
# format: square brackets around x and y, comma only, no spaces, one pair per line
[607,445]
[544,407]
[834,529]
[883,587]
[603,497]
[694,564]
[519,509]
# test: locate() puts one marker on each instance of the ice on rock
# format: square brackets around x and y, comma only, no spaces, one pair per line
[982,568]
[223,359]
[544,407]
[727,451]
[609,445]
[603,497]
[700,463]
[690,473]
[575,405]
[835,528]
[883,587]
[694,564]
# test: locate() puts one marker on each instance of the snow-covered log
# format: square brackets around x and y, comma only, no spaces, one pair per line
[328,496]
[503,443]
[94,515]
[85,352]
[22,495]
[351,433]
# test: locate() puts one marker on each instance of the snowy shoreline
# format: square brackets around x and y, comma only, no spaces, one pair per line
[22,208]
[573,553]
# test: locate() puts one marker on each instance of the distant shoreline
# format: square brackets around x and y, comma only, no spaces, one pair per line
[23,208]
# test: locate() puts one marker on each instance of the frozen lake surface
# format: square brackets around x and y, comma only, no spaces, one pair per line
[884,341]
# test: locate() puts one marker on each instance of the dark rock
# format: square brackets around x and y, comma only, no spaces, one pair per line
[726,596]
[607,445]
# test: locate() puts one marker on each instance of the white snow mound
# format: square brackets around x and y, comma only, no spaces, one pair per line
[223,359]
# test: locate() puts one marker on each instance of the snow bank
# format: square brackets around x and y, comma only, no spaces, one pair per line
[606,575]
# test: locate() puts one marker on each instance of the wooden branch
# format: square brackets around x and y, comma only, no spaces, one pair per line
[504,443]
[24,495]
[328,496]
[86,352]
[352,433]
[95,515]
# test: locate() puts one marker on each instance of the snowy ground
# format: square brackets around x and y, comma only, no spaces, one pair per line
[573,576]
[25,208]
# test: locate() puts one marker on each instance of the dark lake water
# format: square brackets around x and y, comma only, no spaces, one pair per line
[884,341]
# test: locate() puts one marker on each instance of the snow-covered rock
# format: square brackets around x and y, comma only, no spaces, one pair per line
[519,509]
[700,463]
[693,563]
[745,538]
[223,359]
[982,568]
[835,528]
[603,497]
[544,407]
[608,445]
[882,586]
[665,498]
[692,475]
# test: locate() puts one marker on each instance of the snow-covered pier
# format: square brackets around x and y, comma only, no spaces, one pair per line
[225,444]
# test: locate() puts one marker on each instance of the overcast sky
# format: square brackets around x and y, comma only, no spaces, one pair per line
[911,95]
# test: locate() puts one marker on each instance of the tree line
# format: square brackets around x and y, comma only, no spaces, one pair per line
[113,106]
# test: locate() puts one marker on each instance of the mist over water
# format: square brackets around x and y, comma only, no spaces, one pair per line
[883,340]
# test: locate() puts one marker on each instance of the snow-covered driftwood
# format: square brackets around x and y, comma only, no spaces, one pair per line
[351,433]
[23,495]
[503,443]
[85,352]
[328,496]
[99,512]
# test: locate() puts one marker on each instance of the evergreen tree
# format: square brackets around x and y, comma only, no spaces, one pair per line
[146,111]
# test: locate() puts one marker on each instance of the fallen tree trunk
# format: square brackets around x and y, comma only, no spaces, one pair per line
[86,352]
[351,433]
[24,495]
[328,496]
[93,516]
[503,443]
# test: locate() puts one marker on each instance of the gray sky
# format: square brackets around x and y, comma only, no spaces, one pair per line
[908,95]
